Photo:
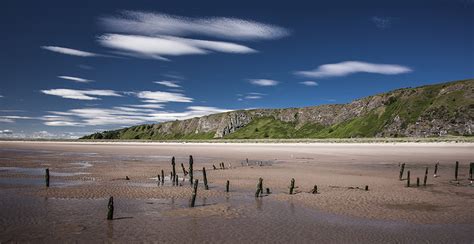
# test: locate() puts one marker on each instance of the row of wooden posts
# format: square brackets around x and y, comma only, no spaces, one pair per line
[259,192]
[435,174]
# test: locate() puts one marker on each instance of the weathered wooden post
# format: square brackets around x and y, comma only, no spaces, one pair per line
[176,180]
[315,189]
[408,178]
[214,167]
[426,176]
[402,168]
[172,178]
[162,177]
[417,181]
[227,186]
[195,188]
[110,206]
[471,169]
[173,164]
[191,169]
[46,177]
[292,186]
[126,177]
[456,168]
[436,170]
[204,176]
[184,170]
[259,188]
[158,179]
[268,191]
[366,188]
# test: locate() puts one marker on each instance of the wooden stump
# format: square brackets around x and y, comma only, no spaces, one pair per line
[162,177]
[193,197]
[456,168]
[158,179]
[402,168]
[204,176]
[126,177]
[46,177]
[417,181]
[184,170]
[408,178]
[259,188]
[268,191]
[292,186]
[227,186]
[436,170]
[471,169]
[366,188]
[191,161]
[315,189]
[173,164]
[172,178]
[110,206]
[426,176]
[214,167]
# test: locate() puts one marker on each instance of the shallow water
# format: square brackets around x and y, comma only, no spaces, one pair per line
[237,218]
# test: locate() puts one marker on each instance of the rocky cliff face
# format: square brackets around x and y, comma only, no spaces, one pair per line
[435,110]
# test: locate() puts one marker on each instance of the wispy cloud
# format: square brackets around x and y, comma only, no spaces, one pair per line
[86,67]
[1,96]
[263,82]
[382,22]
[76,79]
[70,51]
[309,83]
[250,96]
[159,47]
[12,118]
[150,105]
[81,94]
[168,83]
[149,23]
[163,97]
[122,116]
[352,67]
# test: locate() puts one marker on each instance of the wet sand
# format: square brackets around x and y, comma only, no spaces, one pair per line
[84,175]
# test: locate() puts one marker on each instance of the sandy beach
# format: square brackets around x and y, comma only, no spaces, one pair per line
[84,175]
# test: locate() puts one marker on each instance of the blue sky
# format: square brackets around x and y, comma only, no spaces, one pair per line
[68,69]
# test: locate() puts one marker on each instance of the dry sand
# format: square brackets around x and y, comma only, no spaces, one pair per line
[84,175]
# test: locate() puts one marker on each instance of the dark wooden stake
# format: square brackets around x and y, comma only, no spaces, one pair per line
[126,177]
[315,189]
[259,188]
[162,177]
[456,171]
[191,161]
[268,191]
[173,164]
[184,170]
[471,169]
[46,177]
[292,186]
[214,167]
[408,178]
[195,188]
[158,177]
[436,170]
[110,206]
[172,178]
[417,181]
[176,179]
[227,186]
[204,176]
[426,176]
[366,188]
[402,168]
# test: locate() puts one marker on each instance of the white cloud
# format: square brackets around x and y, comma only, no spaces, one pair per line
[1,96]
[12,118]
[263,82]
[76,79]
[168,83]
[382,22]
[151,105]
[250,96]
[309,83]
[148,23]
[163,97]
[158,47]
[81,94]
[351,67]
[70,51]
[122,116]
